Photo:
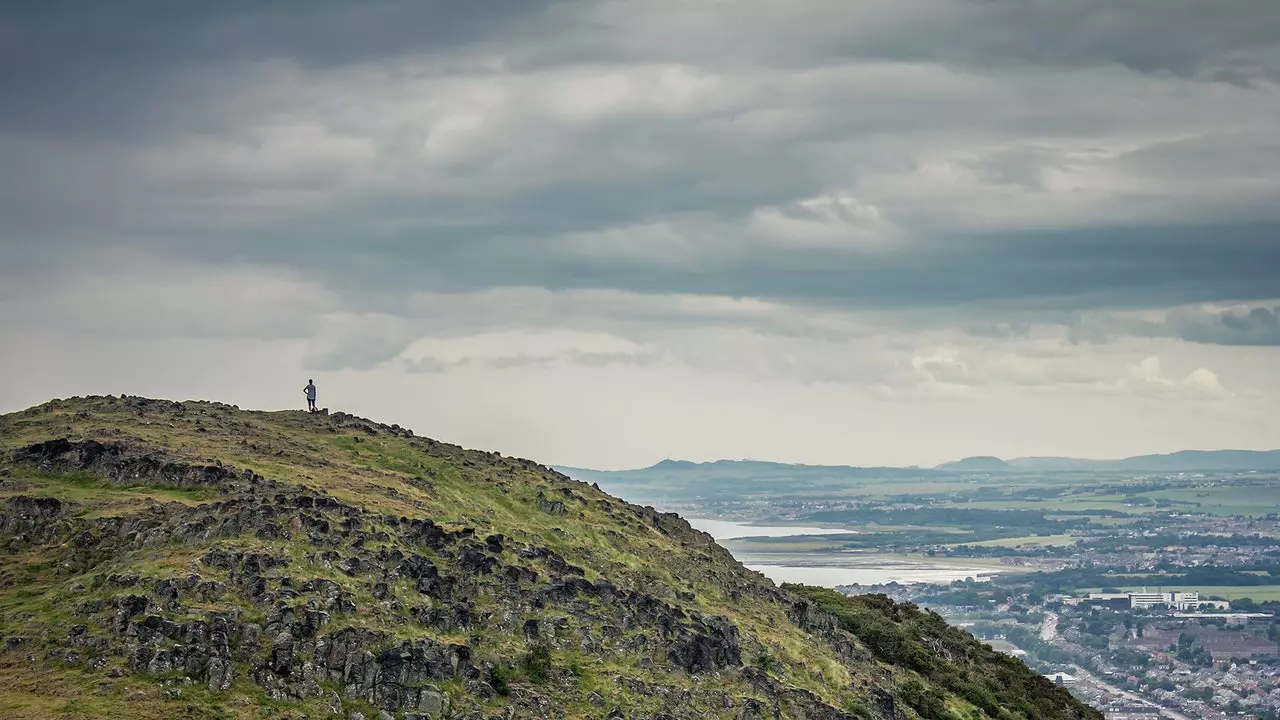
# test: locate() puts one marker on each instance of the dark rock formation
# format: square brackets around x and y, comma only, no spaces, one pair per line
[111,462]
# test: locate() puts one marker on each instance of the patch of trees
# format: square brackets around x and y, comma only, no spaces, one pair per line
[949,517]
[1072,579]
[921,641]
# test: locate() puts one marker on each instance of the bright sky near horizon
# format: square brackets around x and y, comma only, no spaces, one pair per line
[599,234]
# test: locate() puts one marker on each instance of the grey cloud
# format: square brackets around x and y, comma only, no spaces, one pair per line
[135,68]
[528,360]
[431,365]
[1155,36]
[1259,326]
[150,135]
[138,299]
[1256,326]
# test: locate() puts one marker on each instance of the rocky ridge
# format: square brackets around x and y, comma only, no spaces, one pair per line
[196,560]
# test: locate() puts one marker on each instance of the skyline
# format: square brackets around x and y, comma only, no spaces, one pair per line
[768,461]
[606,233]
[923,467]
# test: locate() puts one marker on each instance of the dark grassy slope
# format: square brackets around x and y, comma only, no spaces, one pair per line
[194,560]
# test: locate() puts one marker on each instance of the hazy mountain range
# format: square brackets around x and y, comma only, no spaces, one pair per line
[1183,461]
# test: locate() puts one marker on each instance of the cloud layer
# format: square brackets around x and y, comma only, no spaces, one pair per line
[982,204]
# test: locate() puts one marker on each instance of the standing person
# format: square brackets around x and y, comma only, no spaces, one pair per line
[310,391]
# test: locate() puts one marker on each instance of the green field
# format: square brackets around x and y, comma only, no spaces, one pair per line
[1249,500]
[1028,540]
[1231,500]
[1257,593]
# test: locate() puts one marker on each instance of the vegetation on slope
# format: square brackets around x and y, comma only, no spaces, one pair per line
[944,657]
[195,560]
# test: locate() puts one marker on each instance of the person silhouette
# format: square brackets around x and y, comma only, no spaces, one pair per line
[310,391]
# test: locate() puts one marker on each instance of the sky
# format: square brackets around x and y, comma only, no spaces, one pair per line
[604,233]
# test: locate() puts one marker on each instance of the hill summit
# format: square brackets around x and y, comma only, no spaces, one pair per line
[978,463]
[194,560]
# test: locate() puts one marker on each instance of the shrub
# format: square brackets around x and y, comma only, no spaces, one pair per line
[536,664]
[499,676]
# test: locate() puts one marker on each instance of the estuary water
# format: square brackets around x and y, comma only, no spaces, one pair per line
[832,569]
[877,570]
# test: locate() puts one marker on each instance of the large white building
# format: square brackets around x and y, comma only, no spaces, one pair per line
[1146,600]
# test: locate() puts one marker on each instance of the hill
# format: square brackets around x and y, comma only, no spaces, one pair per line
[748,469]
[984,463]
[673,481]
[194,560]
[1182,461]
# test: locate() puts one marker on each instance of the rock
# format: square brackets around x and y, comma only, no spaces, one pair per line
[476,562]
[711,645]
[752,709]
[351,566]
[433,703]
[219,674]
[551,507]
[115,464]
[282,654]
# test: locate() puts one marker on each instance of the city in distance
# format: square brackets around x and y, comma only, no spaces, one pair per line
[1147,584]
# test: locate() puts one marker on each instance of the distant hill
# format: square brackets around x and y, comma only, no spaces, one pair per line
[672,482]
[1184,461]
[981,463]
[749,468]
[1055,464]
[754,470]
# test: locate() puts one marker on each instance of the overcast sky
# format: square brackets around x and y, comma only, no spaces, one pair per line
[607,233]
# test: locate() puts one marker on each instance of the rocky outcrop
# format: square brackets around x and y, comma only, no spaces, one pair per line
[706,645]
[307,642]
[27,520]
[113,463]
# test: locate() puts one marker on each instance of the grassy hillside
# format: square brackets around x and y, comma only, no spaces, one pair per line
[167,560]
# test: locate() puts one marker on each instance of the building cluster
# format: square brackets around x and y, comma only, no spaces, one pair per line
[1245,690]
[1182,601]
[1239,691]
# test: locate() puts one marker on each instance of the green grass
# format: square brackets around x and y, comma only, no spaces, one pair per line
[1249,500]
[1257,593]
[1028,540]
[84,488]
[383,473]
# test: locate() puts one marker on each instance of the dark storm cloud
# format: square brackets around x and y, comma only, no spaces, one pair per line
[157,126]
[1181,37]
[145,66]
[1248,327]
[136,69]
